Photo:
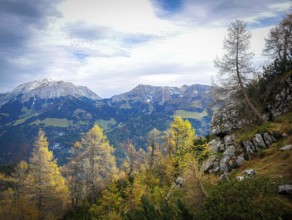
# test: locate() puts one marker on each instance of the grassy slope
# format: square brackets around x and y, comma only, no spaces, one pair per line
[272,162]
[193,115]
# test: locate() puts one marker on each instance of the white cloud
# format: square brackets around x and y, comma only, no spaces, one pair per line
[112,46]
[134,16]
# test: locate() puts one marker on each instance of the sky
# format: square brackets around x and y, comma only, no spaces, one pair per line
[111,46]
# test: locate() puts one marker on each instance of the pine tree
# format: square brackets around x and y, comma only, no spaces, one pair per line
[179,139]
[45,184]
[279,42]
[109,204]
[92,165]
[74,174]
[154,137]
[235,66]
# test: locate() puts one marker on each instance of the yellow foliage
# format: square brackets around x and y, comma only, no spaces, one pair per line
[44,182]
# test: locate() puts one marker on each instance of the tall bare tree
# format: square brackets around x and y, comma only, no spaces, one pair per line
[279,42]
[235,67]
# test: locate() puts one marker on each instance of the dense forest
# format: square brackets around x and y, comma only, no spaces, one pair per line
[166,181]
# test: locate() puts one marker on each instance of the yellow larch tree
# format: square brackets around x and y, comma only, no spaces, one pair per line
[92,165]
[44,183]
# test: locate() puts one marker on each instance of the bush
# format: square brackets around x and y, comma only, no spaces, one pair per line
[147,211]
[252,198]
[79,213]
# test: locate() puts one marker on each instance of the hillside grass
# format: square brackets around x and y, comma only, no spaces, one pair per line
[272,162]
[22,120]
[282,124]
[275,164]
[106,124]
[191,115]
[54,122]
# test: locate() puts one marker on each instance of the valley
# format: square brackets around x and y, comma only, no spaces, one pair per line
[65,112]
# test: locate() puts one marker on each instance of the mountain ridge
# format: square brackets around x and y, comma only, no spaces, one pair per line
[46,89]
[160,94]
[129,116]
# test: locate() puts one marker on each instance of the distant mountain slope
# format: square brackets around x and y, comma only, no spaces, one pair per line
[160,94]
[65,111]
[47,89]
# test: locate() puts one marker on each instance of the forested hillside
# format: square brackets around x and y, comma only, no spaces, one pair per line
[65,112]
[241,171]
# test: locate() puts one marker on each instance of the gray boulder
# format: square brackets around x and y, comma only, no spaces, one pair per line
[215,145]
[224,164]
[249,172]
[248,146]
[269,139]
[228,140]
[239,160]
[285,189]
[240,178]
[179,181]
[286,147]
[259,142]
[232,163]
[230,151]
[211,165]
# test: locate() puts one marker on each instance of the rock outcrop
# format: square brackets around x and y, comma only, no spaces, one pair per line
[229,154]
[281,101]
[225,120]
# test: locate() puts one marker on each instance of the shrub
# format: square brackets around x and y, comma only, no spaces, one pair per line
[251,198]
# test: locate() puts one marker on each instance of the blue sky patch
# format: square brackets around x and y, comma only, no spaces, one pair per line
[169,7]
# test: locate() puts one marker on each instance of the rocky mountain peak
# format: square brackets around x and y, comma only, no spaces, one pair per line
[160,94]
[47,89]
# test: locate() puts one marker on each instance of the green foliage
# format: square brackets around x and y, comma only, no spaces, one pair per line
[201,150]
[107,124]
[166,211]
[179,141]
[285,118]
[273,71]
[251,198]
[78,213]
[7,169]
[109,203]
[261,153]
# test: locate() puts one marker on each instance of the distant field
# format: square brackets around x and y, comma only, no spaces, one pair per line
[54,122]
[192,115]
[106,124]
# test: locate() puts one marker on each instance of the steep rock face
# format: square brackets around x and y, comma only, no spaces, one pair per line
[228,154]
[225,120]
[278,100]
[281,101]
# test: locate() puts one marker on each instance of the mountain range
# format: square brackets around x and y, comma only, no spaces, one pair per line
[66,111]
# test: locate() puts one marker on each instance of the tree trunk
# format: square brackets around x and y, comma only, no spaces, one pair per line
[242,88]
